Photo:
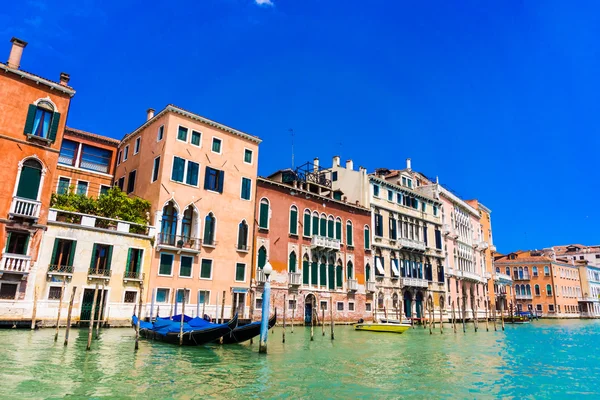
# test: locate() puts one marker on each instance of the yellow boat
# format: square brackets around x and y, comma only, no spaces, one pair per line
[381,327]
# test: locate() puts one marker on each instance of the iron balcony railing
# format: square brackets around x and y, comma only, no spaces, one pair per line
[524,297]
[99,273]
[133,275]
[60,270]
[28,208]
[179,241]
[412,244]
[524,277]
[15,263]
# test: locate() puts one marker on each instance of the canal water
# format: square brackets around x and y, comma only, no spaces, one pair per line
[545,359]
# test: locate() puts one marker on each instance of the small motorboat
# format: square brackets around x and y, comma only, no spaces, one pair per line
[196,331]
[247,332]
[382,326]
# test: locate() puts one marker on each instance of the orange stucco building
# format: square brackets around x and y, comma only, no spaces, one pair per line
[200,176]
[33,111]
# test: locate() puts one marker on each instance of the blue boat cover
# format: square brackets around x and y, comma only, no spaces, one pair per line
[164,325]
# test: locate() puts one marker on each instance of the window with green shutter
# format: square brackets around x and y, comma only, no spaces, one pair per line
[306,227]
[166,264]
[292,262]
[248,156]
[29,180]
[101,258]
[330,225]
[196,136]
[323,226]
[323,275]
[293,220]
[63,254]
[263,214]
[185,266]
[315,224]
[367,238]
[331,277]
[314,273]
[339,276]
[262,257]
[42,121]
[216,145]
[368,272]
[182,133]
[338,229]
[305,272]
[349,239]
[240,272]
[206,269]
[350,270]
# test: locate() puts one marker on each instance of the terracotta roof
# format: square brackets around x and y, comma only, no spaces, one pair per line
[36,78]
[93,136]
[523,259]
[563,249]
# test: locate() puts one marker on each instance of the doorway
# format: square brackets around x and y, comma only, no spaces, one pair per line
[86,305]
[239,304]
[407,304]
[308,308]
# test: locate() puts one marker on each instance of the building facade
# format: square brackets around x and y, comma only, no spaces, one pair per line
[589,302]
[315,243]
[33,111]
[200,178]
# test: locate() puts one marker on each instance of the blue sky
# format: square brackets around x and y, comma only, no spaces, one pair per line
[499,99]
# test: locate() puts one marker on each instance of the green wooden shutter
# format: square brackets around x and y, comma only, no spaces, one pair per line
[305,272]
[29,183]
[338,230]
[109,257]
[330,232]
[339,276]
[262,257]
[349,235]
[323,275]
[368,272]
[92,266]
[293,222]
[72,253]
[54,251]
[128,261]
[367,239]
[331,277]
[139,261]
[323,227]
[54,126]
[306,225]
[30,120]
[221,181]
[315,225]
[7,242]
[350,270]
[263,221]
[292,262]
[314,271]
[26,244]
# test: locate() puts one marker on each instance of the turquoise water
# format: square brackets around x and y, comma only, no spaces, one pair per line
[545,359]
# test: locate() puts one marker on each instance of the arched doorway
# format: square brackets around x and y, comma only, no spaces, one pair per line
[310,299]
[419,304]
[29,181]
[408,304]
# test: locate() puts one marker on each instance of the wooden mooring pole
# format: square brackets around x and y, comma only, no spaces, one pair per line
[453,317]
[322,318]
[331,317]
[62,293]
[172,304]
[487,322]
[464,314]
[223,307]
[69,315]
[293,312]
[312,320]
[182,318]
[284,312]
[474,313]
[139,315]
[91,327]
[502,314]
[101,313]
[34,311]
[494,316]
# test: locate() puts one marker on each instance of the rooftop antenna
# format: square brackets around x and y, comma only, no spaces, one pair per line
[292,133]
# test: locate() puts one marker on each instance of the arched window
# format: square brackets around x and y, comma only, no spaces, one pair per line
[367,238]
[528,287]
[520,272]
[526,272]
[547,271]
[548,289]
[323,225]
[338,228]
[263,214]
[534,271]
[339,275]
[186,223]
[306,227]
[315,223]
[30,179]
[516,272]
[350,270]
[518,290]
[168,226]
[305,270]
[380,300]
[323,273]
[508,271]
[262,257]
[42,120]
[331,274]
[209,230]
[536,290]
[292,262]
[368,272]
[293,220]
[314,271]
[242,243]
[330,227]
[497,270]
[349,237]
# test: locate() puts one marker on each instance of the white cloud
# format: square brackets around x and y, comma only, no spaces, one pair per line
[264,3]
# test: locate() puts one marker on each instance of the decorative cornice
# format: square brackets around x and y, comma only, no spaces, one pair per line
[38,79]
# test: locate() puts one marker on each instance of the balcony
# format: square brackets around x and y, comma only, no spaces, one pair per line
[471,276]
[15,264]
[415,282]
[487,276]
[99,273]
[588,299]
[412,244]
[446,229]
[352,285]
[260,276]
[133,276]
[179,243]
[370,286]
[294,278]
[93,221]
[524,277]
[492,247]
[325,243]
[25,208]
[503,278]
[60,270]
[524,297]
[483,245]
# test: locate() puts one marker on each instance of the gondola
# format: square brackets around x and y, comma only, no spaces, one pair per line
[196,331]
[247,332]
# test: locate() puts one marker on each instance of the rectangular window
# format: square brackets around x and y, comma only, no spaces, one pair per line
[398,198]
[246,189]
[213,180]
[196,137]
[438,239]
[424,207]
[206,269]
[435,211]
[216,145]
[162,295]
[119,155]
[375,190]
[390,195]
[177,173]
[155,169]
[292,304]
[161,132]
[82,187]
[350,306]
[180,294]
[248,156]
[55,293]
[340,306]
[240,272]
[193,169]
[63,185]
[126,153]
[550,307]
[131,181]
[185,266]
[121,183]
[166,264]
[101,258]
[130,296]
[203,297]
[334,176]
[378,225]
[133,268]
[403,181]
[104,189]
[182,133]
[323,305]
[63,254]
[368,307]
[258,303]
[68,152]
[136,146]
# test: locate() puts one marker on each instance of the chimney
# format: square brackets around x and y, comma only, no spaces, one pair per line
[149,114]
[336,161]
[316,165]
[408,166]
[349,165]
[64,79]
[16,51]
